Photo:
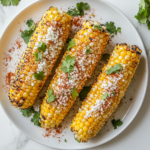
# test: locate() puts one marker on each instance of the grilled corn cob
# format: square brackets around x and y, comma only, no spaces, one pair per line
[52,31]
[107,92]
[89,43]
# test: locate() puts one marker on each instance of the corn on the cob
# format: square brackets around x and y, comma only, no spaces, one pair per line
[106,93]
[87,50]
[53,31]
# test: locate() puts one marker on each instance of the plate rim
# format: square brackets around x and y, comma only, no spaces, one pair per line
[147,75]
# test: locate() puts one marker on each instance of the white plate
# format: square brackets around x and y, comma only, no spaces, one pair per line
[137,89]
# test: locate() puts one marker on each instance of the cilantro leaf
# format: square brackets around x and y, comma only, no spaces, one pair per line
[10,2]
[116,123]
[35,119]
[118,30]
[71,44]
[77,140]
[98,27]
[68,64]
[51,96]
[114,69]
[104,96]
[79,10]
[88,49]
[26,35]
[27,112]
[74,93]
[84,92]
[65,140]
[38,56]
[105,57]
[41,47]
[112,94]
[31,24]
[39,76]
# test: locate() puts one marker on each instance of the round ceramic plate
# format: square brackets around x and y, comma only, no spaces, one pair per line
[129,105]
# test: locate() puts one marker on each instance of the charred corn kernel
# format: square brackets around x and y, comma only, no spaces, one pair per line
[53,33]
[84,65]
[97,113]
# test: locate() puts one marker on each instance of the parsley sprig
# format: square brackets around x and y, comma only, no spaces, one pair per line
[68,64]
[144,13]
[74,93]
[111,28]
[116,123]
[79,10]
[35,118]
[26,34]
[10,2]
[51,96]
[114,69]
[41,47]
[39,76]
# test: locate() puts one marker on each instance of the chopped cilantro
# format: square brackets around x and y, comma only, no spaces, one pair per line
[65,140]
[68,64]
[88,49]
[84,92]
[10,2]
[79,10]
[70,44]
[26,35]
[111,28]
[77,140]
[39,76]
[51,96]
[112,94]
[116,123]
[41,47]
[104,96]
[74,93]
[105,57]
[98,27]
[114,69]
[38,56]
[31,24]
[35,119]
[27,112]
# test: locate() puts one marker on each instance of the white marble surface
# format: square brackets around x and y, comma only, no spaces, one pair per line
[136,136]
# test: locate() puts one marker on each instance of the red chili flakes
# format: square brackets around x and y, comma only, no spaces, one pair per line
[77,21]
[8,78]
[11,49]
[7,57]
[18,43]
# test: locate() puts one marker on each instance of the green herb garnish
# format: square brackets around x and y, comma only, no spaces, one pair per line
[84,92]
[88,49]
[74,93]
[116,123]
[31,24]
[111,28]
[51,96]
[39,76]
[35,119]
[105,57]
[70,44]
[65,140]
[114,69]
[77,140]
[79,11]
[38,56]
[41,47]
[27,112]
[112,94]
[104,96]
[26,35]
[10,2]
[98,27]
[144,13]
[68,64]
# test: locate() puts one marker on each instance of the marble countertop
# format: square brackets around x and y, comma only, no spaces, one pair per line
[136,136]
